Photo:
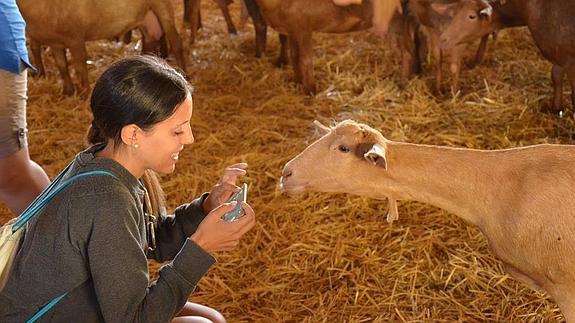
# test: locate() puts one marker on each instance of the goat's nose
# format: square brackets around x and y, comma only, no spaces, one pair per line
[287,172]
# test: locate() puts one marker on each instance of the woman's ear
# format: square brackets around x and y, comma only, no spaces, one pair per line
[130,135]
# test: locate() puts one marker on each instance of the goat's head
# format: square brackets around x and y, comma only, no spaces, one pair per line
[464,21]
[341,161]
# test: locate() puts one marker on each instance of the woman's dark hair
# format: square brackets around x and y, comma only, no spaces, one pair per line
[140,90]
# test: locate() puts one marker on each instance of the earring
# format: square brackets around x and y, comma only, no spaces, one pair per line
[136,146]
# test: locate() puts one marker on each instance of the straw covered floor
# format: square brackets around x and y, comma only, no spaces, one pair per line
[333,257]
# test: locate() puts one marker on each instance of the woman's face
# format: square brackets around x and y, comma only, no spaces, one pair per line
[160,146]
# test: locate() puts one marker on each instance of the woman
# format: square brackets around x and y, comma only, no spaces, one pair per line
[91,239]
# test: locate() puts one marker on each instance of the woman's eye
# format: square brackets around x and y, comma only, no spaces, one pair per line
[472,17]
[343,149]
[177,133]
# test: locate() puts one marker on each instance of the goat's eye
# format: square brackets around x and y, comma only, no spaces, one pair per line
[343,149]
[472,17]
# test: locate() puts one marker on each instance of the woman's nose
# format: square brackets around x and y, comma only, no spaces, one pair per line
[189,138]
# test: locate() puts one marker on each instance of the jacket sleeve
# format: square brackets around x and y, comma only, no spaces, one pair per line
[119,268]
[173,230]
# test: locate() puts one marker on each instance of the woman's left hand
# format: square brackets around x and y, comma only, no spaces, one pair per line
[225,187]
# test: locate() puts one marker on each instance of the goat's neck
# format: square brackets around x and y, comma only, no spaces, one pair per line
[457,180]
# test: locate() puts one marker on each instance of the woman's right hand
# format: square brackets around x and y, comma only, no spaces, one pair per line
[215,234]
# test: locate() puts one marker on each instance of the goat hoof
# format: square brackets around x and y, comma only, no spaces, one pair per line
[311,90]
[280,63]
[548,107]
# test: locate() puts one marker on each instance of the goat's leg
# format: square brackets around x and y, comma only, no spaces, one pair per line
[244,15]
[420,50]
[455,67]
[79,57]
[165,13]
[260,26]
[226,12]
[187,7]
[283,58]
[305,61]
[295,57]
[36,49]
[557,73]
[192,17]
[571,78]
[127,38]
[59,54]
[409,45]
[437,60]
[480,54]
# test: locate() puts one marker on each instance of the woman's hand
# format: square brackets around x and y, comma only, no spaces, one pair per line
[215,234]
[225,187]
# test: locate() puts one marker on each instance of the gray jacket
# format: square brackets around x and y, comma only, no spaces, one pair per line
[91,241]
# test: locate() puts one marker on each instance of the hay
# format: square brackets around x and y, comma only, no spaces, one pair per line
[325,257]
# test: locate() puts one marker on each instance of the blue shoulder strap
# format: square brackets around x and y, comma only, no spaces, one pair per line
[37,205]
[46,308]
[48,194]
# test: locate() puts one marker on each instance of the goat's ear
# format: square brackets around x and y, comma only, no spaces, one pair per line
[376,155]
[320,128]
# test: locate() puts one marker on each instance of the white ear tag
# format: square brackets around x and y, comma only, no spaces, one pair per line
[375,152]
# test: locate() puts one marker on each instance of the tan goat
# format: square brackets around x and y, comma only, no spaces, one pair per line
[520,198]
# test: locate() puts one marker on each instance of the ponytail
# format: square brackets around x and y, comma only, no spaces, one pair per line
[94,135]
[155,192]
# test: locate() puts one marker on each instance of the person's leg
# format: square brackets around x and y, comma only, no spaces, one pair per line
[192,312]
[21,179]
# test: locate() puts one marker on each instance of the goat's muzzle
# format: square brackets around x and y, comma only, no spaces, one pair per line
[286,173]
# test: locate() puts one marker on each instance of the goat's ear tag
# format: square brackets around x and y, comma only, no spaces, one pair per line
[376,155]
